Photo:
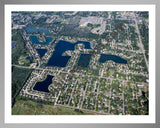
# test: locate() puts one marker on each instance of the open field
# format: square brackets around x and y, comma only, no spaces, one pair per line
[31,108]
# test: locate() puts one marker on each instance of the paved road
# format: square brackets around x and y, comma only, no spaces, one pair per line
[67,72]
[140,40]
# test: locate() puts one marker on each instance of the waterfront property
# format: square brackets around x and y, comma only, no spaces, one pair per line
[60,61]
[84,60]
[116,59]
[43,85]
[35,40]
[41,52]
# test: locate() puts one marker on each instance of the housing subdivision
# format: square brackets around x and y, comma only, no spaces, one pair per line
[93,61]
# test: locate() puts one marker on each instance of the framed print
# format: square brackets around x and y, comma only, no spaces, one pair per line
[86,64]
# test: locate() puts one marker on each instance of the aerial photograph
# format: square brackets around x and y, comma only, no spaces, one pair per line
[80,62]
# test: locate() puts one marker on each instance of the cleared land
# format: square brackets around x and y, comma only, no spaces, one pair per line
[31,108]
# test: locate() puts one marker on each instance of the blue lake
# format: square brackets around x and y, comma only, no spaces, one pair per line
[43,85]
[41,52]
[84,60]
[28,58]
[116,59]
[13,44]
[36,30]
[61,61]
[57,23]
[35,40]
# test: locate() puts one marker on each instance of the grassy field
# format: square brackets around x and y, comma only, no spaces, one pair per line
[19,76]
[28,107]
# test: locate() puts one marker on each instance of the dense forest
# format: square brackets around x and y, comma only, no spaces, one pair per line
[19,77]
[19,49]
